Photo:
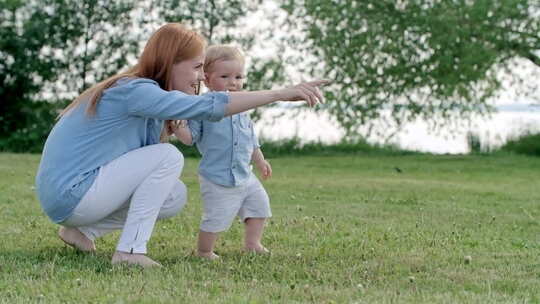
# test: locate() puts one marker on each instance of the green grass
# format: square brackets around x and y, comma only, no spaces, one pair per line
[346,229]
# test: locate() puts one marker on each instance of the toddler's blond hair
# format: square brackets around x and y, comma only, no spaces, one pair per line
[222,52]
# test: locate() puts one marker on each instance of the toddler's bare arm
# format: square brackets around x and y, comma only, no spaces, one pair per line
[183,133]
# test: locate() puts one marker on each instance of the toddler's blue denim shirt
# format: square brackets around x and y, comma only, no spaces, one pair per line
[226,147]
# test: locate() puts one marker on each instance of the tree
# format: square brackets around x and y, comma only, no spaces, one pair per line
[425,59]
[46,42]
[105,38]
[24,32]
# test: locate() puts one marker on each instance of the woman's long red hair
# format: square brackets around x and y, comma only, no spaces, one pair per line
[170,44]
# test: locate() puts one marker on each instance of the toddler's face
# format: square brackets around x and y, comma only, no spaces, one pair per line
[225,75]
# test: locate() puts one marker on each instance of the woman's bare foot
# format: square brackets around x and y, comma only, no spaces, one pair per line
[133,259]
[208,255]
[76,239]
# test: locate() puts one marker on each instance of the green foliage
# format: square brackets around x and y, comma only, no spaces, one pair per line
[528,144]
[474,142]
[103,39]
[25,32]
[187,151]
[39,118]
[215,19]
[51,50]
[294,147]
[413,58]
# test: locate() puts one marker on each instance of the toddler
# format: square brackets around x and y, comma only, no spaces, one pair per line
[228,186]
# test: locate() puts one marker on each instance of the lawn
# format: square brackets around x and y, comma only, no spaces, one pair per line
[346,229]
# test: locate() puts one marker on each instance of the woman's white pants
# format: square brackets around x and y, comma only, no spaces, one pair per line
[131,193]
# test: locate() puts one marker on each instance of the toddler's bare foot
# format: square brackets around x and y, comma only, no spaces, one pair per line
[208,255]
[76,239]
[134,259]
[256,249]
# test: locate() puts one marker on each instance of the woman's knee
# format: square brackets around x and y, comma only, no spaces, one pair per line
[172,157]
[172,153]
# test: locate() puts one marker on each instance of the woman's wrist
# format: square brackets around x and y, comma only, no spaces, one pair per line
[281,95]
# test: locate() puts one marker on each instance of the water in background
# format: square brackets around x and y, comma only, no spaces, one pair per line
[509,122]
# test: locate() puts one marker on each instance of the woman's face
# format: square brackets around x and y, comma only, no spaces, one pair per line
[187,74]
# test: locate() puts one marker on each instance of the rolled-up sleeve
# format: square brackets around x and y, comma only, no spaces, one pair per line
[146,99]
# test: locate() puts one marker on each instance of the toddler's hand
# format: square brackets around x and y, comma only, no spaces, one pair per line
[171,126]
[264,168]
[174,125]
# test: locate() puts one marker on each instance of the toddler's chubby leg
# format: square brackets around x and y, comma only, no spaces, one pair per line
[205,245]
[254,212]
[220,206]
[254,230]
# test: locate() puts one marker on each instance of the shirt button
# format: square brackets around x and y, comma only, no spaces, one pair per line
[236,144]
[234,166]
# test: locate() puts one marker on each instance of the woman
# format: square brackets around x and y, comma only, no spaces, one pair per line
[103,167]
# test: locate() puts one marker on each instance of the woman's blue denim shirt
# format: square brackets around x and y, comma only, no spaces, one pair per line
[129,116]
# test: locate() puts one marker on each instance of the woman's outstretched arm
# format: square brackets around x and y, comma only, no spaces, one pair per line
[246,100]
[145,98]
